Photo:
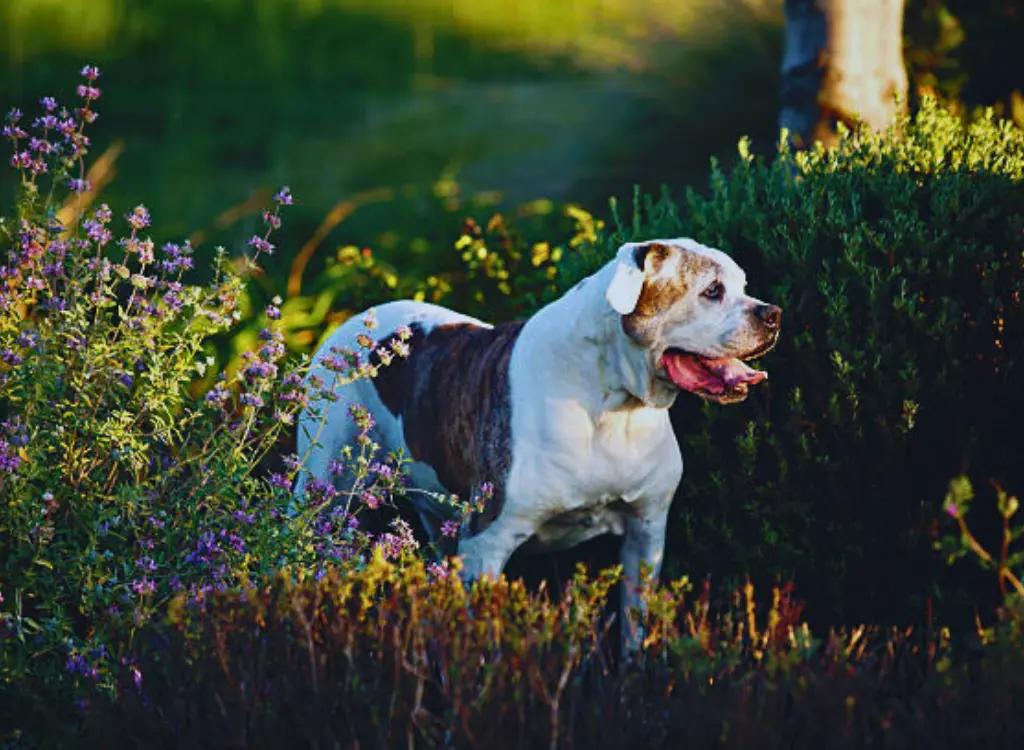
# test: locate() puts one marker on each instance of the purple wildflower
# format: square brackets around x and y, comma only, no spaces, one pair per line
[258,370]
[88,92]
[271,219]
[217,395]
[243,517]
[143,586]
[10,357]
[76,663]
[261,245]
[278,479]
[251,399]
[139,218]
[9,459]
[321,490]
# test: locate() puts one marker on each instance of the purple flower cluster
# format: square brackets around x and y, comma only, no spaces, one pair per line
[261,365]
[86,664]
[272,220]
[279,480]
[61,142]
[251,399]
[450,528]
[292,390]
[13,435]
[363,419]
[337,535]
[273,310]
[176,258]
[143,586]
[211,550]
[398,542]
[370,499]
[342,361]
[261,245]
[320,491]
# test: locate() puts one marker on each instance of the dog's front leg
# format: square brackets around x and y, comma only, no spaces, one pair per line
[643,548]
[487,553]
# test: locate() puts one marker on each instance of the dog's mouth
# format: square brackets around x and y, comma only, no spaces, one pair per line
[724,380]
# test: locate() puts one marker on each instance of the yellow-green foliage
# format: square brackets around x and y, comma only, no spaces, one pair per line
[598,33]
[398,655]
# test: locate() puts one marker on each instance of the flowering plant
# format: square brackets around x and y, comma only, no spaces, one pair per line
[130,470]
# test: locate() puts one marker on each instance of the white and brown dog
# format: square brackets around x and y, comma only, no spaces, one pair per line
[566,413]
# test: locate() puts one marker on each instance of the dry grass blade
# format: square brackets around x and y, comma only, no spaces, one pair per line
[100,174]
[341,211]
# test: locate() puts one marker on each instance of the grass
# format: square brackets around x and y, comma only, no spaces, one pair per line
[341,97]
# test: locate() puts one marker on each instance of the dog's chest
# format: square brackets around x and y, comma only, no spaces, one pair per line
[598,471]
[577,463]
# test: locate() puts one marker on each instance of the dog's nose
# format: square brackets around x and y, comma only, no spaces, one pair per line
[769,315]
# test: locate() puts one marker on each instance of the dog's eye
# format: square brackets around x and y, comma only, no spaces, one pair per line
[714,291]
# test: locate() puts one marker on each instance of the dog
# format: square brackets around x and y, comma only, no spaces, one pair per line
[564,413]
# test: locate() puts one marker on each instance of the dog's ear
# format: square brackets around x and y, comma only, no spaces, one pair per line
[633,263]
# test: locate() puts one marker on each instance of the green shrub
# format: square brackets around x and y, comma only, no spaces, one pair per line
[498,271]
[897,259]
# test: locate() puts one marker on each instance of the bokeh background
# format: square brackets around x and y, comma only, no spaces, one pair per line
[397,104]
[391,119]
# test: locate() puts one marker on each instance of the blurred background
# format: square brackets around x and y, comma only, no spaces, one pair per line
[392,119]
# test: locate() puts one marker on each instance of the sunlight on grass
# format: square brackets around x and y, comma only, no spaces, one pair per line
[528,99]
[33,27]
[595,34]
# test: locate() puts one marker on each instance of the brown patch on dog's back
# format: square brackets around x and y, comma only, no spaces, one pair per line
[390,379]
[453,396]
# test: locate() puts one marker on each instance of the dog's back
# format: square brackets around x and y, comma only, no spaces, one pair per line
[430,390]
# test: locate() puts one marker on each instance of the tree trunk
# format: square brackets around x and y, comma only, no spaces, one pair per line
[842,62]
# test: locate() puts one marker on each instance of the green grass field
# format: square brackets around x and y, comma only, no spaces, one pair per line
[215,101]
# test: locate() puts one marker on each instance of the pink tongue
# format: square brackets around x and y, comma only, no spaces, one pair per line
[713,376]
[734,372]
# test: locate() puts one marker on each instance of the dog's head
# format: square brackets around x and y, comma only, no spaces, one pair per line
[684,306]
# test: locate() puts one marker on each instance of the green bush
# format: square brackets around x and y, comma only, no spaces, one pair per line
[897,259]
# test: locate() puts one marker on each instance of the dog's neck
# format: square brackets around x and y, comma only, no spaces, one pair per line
[592,345]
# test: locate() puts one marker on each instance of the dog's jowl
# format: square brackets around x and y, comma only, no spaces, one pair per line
[565,413]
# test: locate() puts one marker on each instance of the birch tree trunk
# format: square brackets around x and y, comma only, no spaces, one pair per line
[842,61]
